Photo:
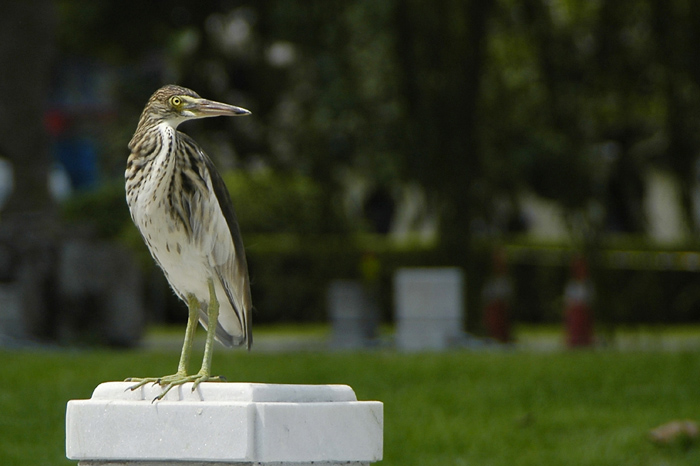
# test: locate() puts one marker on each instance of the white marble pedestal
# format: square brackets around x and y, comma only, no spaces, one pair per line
[224,423]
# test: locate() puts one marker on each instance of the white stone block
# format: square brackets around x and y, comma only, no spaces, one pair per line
[225,423]
[11,321]
[429,307]
[354,314]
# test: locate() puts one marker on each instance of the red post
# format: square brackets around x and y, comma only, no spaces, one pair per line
[578,317]
[497,295]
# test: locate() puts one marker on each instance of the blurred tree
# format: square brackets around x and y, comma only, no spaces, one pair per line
[675,44]
[475,99]
[26,47]
[440,46]
[572,101]
[28,228]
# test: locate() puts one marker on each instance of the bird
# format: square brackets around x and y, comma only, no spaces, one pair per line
[181,207]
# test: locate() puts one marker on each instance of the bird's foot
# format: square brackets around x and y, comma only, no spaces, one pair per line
[170,381]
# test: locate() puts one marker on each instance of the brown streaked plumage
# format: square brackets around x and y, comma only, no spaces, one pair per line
[180,205]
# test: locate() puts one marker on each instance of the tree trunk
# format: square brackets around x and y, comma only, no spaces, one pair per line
[28,225]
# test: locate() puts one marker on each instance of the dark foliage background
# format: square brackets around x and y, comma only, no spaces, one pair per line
[475,101]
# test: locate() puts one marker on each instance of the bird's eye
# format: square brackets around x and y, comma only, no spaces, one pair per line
[175,101]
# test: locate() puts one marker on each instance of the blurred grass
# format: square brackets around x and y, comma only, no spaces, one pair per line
[485,408]
[548,337]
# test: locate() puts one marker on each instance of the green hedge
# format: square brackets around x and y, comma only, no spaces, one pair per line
[291,263]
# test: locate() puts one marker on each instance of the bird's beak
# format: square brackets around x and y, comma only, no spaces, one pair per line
[203,108]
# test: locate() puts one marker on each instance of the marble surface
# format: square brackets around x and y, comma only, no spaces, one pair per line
[226,423]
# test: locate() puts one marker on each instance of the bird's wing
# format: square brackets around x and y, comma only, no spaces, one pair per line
[227,255]
[233,272]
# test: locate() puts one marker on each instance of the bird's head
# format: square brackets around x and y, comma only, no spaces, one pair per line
[174,104]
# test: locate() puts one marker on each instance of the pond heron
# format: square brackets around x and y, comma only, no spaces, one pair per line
[183,210]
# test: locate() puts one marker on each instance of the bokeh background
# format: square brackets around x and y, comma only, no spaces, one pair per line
[384,134]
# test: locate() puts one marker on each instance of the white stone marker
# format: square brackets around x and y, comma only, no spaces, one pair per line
[353,314]
[429,308]
[224,423]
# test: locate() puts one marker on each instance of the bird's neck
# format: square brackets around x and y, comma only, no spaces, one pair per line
[148,123]
[148,138]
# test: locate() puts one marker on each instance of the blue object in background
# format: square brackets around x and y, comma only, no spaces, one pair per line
[78,155]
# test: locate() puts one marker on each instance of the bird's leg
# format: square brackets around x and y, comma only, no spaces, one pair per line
[204,373]
[193,318]
[181,374]
[181,377]
[213,315]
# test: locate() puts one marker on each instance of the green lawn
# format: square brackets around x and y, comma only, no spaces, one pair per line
[459,408]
